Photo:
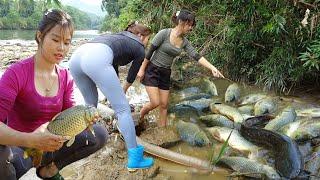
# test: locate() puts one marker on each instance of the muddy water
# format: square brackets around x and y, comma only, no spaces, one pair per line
[138,96]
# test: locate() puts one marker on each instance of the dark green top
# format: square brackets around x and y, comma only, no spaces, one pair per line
[165,52]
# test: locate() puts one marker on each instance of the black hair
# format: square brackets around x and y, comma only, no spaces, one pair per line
[185,16]
[50,19]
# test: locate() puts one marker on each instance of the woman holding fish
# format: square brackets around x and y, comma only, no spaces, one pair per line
[32,92]
[92,67]
[156,67]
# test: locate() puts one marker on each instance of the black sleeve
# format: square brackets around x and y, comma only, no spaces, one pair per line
[135,66]
[150,51]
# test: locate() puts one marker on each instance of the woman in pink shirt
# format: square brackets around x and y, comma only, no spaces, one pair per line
[32,92]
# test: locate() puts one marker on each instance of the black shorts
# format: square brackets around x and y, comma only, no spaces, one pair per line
[156,76]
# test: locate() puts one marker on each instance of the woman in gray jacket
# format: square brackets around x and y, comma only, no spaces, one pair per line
[156,68]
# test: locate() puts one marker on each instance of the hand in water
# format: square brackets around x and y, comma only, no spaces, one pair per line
[217,73]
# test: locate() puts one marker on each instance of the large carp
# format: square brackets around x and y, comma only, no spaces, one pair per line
[287,115]
[231,112]
[67,123]
[306,130]
[251,99]
[246,109]
[202,105]
[289,162]
[265,106]
[236,141]
[206,85]
[218,120]
[192,134]
[248,167]
[232,93]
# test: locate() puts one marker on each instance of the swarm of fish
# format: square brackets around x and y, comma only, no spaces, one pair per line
[67,123]
[275,136]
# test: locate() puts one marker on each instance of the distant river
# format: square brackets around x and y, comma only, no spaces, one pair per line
[29,34]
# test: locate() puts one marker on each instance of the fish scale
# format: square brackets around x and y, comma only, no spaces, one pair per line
[68,123]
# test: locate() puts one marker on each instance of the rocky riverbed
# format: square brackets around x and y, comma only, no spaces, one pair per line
[109,162]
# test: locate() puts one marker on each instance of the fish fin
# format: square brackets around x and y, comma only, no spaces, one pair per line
[91,129]
[71,141]
[25,154]
[35,155]
[37,158]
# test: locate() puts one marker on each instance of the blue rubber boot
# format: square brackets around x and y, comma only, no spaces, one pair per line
[136,159]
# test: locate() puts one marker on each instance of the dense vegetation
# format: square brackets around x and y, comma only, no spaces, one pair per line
[261,41]
[25,14]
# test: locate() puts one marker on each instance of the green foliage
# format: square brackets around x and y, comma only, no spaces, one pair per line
[311,57]
[223,150]
[259,41]
[25,14]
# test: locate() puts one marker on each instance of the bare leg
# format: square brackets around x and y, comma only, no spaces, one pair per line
[164,99]
[153,93]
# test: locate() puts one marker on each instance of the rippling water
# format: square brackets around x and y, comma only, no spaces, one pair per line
[29,34]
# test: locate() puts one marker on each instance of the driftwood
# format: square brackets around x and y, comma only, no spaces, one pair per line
[179,158]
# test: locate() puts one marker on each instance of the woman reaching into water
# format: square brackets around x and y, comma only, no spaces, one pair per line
[92,67]
[156,68]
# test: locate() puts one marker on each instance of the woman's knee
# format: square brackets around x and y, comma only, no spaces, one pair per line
[163,105]
[154,103]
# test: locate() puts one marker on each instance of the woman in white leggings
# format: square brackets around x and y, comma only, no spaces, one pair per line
[92,67]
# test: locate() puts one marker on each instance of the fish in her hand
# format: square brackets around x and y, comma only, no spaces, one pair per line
[67,123]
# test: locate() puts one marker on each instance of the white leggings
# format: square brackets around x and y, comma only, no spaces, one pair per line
[91,68]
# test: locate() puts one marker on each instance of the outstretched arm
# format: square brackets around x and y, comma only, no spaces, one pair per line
[216,73]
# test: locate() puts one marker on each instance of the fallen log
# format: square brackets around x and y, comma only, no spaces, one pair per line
[179,158]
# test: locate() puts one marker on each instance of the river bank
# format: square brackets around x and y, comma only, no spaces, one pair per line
[109,162]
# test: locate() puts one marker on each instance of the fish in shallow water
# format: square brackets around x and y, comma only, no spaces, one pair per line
[236,141]
[248,167]
[288,159]
[287,115]
[232,93]
[67,123]
[265,106]
[218,120]
[192,134]
[251,99]
[228,111]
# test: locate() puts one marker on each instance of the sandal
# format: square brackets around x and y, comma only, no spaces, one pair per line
[55,177]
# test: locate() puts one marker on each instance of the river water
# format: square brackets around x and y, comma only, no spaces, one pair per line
[30,34]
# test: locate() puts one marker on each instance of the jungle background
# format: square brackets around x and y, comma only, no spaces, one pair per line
[256,41]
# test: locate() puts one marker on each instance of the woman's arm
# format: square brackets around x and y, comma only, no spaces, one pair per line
[142,69]
[39,139]
[216,73]
[12,137]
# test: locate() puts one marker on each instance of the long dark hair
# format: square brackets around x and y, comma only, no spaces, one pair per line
[137,28]
[50,19]
[184,16]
